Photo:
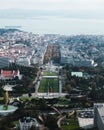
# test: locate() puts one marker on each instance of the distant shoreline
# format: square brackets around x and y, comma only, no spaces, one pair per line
[13,27]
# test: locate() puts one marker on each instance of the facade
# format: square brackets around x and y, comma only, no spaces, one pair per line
[83,62]
[67,60]
[34,60]
[4,62]
[99,116]
[24,61]
[75,57]
[27,122]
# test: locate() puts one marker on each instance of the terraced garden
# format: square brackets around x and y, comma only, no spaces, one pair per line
[50,85]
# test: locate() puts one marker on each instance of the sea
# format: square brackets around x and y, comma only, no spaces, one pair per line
[51,25]
[37,26]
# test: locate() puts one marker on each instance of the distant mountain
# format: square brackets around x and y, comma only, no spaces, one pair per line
[2,31]
[21,13]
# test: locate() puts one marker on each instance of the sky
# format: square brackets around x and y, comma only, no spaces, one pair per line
[73,16]
[53,4]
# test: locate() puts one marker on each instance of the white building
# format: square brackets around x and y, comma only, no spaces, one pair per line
[99,116]
[34,60]
[67,59]
[77,74]
[24,61]
[83,62]
[27,122]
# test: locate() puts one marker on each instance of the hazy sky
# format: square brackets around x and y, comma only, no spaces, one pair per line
[85,14]
[53,4]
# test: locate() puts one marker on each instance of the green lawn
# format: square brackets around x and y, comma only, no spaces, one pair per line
[49,85]
[73,125]
[46,73]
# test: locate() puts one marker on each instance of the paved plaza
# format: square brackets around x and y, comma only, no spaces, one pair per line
[85,122]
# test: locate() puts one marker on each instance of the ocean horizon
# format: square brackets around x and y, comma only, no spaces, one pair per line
[49,25]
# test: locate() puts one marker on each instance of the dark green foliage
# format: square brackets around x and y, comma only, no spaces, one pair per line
[92,86]
[51,122]
[25,84]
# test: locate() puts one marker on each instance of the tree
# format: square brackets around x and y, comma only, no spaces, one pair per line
[93,90]
[73,82]
[68,88]
[51,122]
[33,127]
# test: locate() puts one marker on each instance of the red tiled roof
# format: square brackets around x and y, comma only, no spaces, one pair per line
[8,73]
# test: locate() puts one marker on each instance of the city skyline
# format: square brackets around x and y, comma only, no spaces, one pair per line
[55,16]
